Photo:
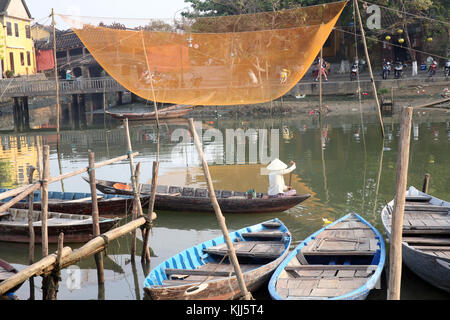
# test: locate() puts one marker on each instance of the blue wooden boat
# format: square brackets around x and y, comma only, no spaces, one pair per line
[341,261]
[425,236]
[79,203]
[203,272]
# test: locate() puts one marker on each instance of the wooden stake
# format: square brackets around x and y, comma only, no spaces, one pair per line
[95,218]
[44,200]
[426,181]
[151,208]
[395,258]
[369,65]
[31,231]
[58,106]
[219,215]
[137,197]
[134,215]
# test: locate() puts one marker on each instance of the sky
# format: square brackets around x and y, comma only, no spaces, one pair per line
[40,9]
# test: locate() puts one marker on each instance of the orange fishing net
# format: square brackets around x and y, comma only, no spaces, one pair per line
[243,59]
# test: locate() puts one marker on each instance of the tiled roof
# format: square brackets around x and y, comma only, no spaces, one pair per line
[64,40]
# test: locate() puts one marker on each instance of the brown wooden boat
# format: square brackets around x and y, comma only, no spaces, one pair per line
[204,272]
[174,198]
[79,203]
[6,272]
[76,228]
[175,111]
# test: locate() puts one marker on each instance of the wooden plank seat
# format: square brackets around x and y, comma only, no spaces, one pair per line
[418,198]
[250,249]
[427,240]
[339,246]
[198,272]
[271,224]
[264,235]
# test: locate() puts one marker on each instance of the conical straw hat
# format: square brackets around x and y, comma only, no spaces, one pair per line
[276,164]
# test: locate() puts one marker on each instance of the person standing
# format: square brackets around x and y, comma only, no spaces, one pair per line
[277,187]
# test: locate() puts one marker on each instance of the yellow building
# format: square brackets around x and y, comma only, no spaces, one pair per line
[16,44]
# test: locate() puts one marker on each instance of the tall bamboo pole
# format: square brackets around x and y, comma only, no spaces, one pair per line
[134,185]
[58,106]
[369,65]
[134,214]
[145,248]
[220,218]
[44,213]
[95,218]
[31,231]
[395,269]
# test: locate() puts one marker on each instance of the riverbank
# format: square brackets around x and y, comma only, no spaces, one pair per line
[309,104]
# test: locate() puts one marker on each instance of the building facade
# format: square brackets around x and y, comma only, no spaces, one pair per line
[16,44]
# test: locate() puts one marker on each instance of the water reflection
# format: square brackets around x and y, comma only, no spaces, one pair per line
[341,161]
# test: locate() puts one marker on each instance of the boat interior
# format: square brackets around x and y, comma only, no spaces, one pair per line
[209,261]
[333,263]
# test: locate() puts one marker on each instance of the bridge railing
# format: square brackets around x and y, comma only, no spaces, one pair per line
[19,87]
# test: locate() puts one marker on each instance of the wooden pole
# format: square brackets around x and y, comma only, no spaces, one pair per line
[44,215]
[55,276]
[58,106]
[150,211]
[31,231]
[134,216]
[369,65]
[137,197]
[395,269]
[220,218]
[426,182]
[320,81]
[95,218]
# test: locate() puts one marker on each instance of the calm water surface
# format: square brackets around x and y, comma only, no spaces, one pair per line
[341,160]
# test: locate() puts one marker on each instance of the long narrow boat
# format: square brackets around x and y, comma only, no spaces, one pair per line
[6,272]
[78,203]
[176,111]
[203,272]
[76,228]
[342,261]
[197,199]
[426,236]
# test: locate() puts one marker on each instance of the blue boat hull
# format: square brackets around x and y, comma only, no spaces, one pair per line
[256,269]
[376,263]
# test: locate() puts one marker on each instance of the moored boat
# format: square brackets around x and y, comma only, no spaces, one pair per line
[78,203]
[175,198]
[204,272]
[76,228]
[342,261]
[425,236]
[175,111]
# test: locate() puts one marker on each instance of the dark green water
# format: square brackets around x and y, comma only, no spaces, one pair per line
[341,160]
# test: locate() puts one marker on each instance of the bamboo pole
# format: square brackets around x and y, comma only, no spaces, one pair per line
[58,105]
[155,170]
[395,269]
[134,215]
[369,65]
[44,200]
[44,215]
[31,231]
[68,257]
[220,218]
[95,218]
[320,81]
[25,190]
[35,269]
[53,279]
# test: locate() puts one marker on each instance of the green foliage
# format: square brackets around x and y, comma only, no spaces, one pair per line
[9,73]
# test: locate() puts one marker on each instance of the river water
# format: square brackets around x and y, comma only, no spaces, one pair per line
[341,160]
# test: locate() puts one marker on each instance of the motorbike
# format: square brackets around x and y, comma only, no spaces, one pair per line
[386,70]
[354,72]
[447,68]
[398,70]
[432,69]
